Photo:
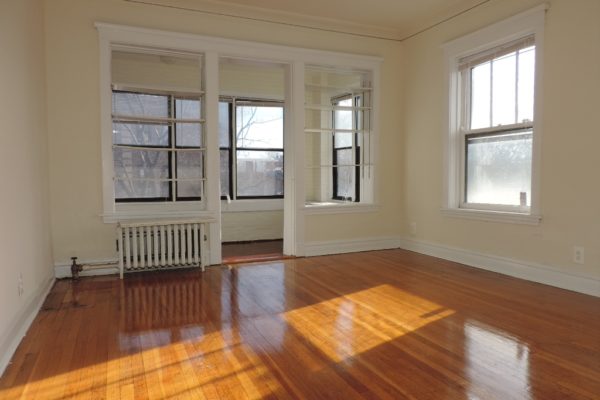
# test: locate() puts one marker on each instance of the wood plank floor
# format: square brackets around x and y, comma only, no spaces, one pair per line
[377,325]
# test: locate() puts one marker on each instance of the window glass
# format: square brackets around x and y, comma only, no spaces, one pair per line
[189,168]
[187,108]
[343,118]
[526,84]
[502,90]
[257,163]
[259,173]
[188,134]
[224,124]
[259,127]
[140,105]
[504,78]
[481,96]
[499,169]
[134,134]
[345,183]
[343,139]
[138,172]
[225,173]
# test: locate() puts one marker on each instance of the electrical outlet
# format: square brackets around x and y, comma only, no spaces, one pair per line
[578,255]
[413,228]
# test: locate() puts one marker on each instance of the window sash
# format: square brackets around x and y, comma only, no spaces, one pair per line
[464,203]
[465,67]
[473,60]
[356,159]
[233,147]
[172,149]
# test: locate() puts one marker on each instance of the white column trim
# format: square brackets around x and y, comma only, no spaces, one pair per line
[212,190]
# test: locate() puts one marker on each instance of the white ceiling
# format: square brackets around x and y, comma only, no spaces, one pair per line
[394,19]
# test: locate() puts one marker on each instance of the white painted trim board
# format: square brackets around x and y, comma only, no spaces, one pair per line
[519,269]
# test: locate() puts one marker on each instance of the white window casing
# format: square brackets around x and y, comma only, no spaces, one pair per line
[212,49]
[526,28]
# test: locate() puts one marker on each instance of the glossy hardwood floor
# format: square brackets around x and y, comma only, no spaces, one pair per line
[387,324]
[252,251]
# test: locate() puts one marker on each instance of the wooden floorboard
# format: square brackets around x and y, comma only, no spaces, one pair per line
[375,325]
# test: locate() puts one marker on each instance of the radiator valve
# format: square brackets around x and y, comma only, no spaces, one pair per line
[75,268]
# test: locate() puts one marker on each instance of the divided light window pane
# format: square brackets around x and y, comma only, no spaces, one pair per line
[189,166]
[343,118]
[343,139]
[224,172]
[504,77]
[132,134]
[187,108]
[188,135]
[526,83]
[259,173]
[345,175]
[259,127]
[224,124]
[480,96]
[136,171]
[499,169]
[502,90]
[140,105]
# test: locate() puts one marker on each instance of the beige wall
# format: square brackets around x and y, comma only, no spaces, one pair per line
[74,127]
[570,193]
[24,211]
[251,225]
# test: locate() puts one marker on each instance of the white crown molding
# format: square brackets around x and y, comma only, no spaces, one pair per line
[18,329]
[506,266]
[261,14]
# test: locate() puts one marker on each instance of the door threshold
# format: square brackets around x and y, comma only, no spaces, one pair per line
[255,258]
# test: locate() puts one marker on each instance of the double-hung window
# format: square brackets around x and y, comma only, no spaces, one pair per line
[251,146]
[497,125]
[491,144]
[158,152]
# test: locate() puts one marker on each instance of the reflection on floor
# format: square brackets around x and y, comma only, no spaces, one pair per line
[379,325]
[259,250]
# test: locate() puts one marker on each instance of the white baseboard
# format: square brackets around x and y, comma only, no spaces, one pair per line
[518,269]
[350,246]
[63,269]
[22,324]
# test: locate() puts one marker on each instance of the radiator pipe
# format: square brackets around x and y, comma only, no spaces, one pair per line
[75,268]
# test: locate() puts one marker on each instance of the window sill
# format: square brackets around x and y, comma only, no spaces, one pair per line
[338,208]
[251,205]
[127,216]
[493,216]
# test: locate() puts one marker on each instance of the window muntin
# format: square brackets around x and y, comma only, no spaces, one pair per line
[157,147]
[252,155]
[497,126]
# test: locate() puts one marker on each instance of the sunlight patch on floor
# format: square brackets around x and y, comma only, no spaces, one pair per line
[349,325]
[204,367]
